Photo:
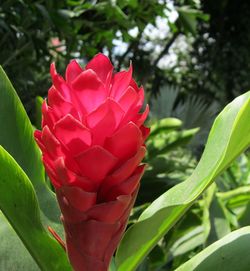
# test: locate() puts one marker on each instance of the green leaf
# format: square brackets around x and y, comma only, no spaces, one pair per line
[188,19]
[245,218]
[181,138]
[39,102]
[17,138]
[112,266]
[216,223]
[228,137]
[188,242]
[17,133]
[19,204]
[229,253]
[163,125]
[13,248]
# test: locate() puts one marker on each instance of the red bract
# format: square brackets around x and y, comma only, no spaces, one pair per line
[92,141]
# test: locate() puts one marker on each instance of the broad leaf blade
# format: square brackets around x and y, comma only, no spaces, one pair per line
[229,253]
[13,248]
[19,204]
[229,137]
[17,133]
[17,138]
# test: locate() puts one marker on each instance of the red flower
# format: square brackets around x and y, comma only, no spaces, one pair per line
[92,141]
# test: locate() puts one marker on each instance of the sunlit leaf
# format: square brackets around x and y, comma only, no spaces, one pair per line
[228,137]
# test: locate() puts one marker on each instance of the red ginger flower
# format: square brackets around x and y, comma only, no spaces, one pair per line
[92,141]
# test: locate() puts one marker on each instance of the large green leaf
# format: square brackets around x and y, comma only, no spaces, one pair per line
[228,137]
[19,204]
[17,138]
[229,253]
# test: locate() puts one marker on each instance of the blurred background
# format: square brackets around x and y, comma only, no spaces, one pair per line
[191,56]
[198,48]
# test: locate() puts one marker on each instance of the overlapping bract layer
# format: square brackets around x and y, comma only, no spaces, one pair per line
[92,141]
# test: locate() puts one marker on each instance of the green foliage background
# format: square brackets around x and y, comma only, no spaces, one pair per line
[209,42]
[214,63]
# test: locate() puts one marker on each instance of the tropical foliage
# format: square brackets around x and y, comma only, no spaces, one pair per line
[30,206]
[193,208]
